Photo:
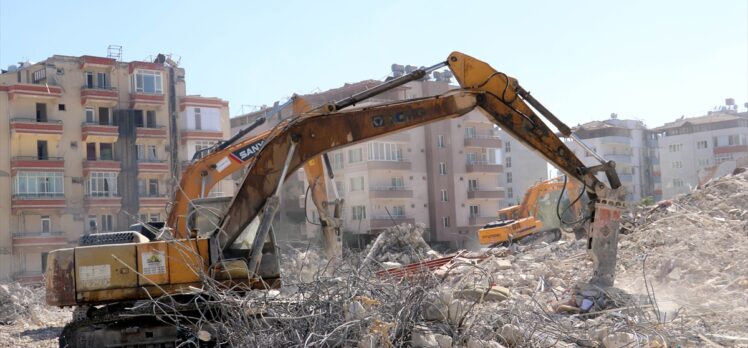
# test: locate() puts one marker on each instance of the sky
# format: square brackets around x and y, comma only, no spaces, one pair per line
[648,60]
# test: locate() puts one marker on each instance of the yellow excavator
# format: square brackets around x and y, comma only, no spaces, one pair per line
[545,208]
[240,252]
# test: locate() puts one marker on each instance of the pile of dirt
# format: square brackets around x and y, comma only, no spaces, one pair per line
[693,253]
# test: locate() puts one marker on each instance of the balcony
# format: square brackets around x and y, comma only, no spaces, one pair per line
[153,166]
[401,164]
[378,222]
[37,201]
[158,201]
[25,239]
[483,167]
[480,193]
[101,166]
[100,133]
[475,220]
[483,140]
[32,91]
[46,164]
[390,192]
[141,100]
[111,200]
[104,96]
[199,134]
[719,150]
[22,125]
[616,140]
[157,133]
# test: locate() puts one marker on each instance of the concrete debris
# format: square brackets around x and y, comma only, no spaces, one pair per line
[682,280]
[25,319]
[402,244]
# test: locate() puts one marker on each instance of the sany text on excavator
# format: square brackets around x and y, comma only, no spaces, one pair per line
[242,251]
[546,207]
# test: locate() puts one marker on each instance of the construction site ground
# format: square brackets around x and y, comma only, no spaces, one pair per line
[682,280]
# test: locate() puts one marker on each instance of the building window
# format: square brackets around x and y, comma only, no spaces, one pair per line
[442,168]
[440,141]
[677,182]
[445,196]
[89,79]
[106,152]
[358,212]
[398,211]
[38,184]
[337,160]
[474,210]
[198,119]
[379,151]
[703,162]
[147,81]
[508,162]
[357,184]
[473,185]
[217,190]
[354,155]
[46,224]
[102,80]
[701,144]
[508,146]
[723,158]
[150,119]
[106,223]
[677,164]
[675,147]
[509,192]
[152,187]
[201,145]
[397,181]
[91,224]
[469,132]
[102,184]
[445,221]
[90,116]
[508,178]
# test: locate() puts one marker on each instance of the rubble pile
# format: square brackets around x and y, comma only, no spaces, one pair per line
[26,320]
[693,253]
[400,245]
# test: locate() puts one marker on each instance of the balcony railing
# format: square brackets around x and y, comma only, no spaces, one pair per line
[483,140]
[390,192]
[38,234]
[397,164]
[487,193]
[102,195]
[388,188]
[100,88]
[37,158]
[482,166]
[40,195]
[34,120]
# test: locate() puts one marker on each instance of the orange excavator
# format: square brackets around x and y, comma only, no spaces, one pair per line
[108,279]
[541,215]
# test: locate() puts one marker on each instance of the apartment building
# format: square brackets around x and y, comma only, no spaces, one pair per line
[688,146]
[522,169]
[630,145]
[92,144]
[445,174]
